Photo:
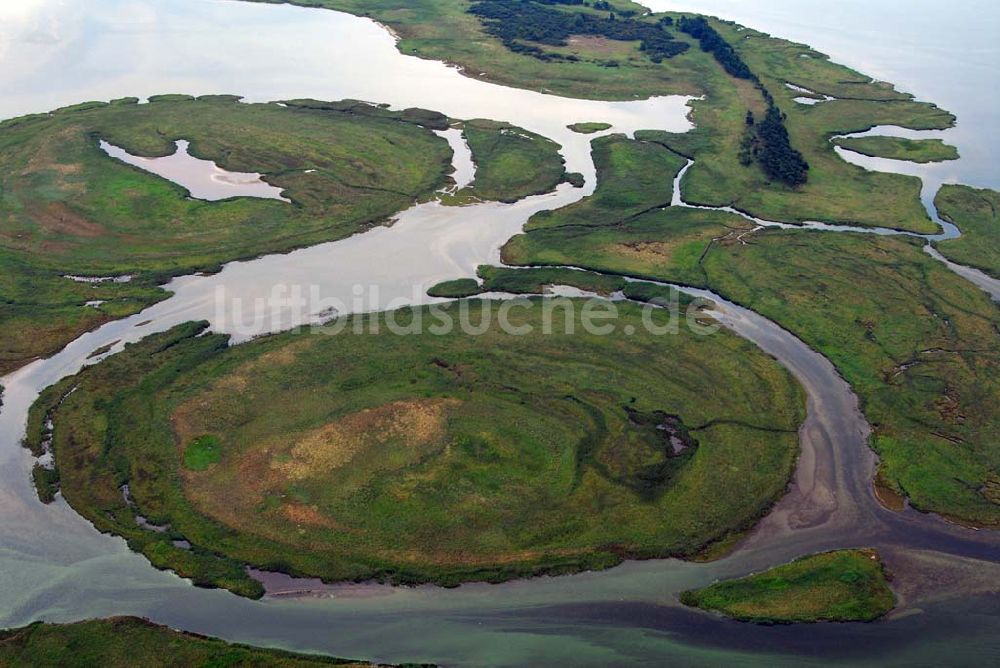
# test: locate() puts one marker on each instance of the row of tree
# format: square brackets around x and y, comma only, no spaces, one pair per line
[767,140]
[712,42]
[515,22]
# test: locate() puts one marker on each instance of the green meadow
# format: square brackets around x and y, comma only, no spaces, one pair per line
[120,642]
[441,458]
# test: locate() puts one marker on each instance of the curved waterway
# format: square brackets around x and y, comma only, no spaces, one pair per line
[53,565]
[982,280]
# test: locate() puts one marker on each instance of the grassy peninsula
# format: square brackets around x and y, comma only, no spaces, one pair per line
[898,148]
[130,641]
[591,66]
[511,163]
[420,458]
[632,178]
[976,212]
[839,586]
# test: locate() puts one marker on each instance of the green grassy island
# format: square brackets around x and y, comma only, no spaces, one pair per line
[898,148]
[460,287]
[589,128]
[839,586]
[420,458]
[130,641]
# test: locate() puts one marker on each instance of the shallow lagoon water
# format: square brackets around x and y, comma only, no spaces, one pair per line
[54,566]
[203,179]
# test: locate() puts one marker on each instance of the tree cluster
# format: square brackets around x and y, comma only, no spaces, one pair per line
[767,143]
[515,22]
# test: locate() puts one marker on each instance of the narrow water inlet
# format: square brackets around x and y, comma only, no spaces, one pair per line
[203,179]
[462,163]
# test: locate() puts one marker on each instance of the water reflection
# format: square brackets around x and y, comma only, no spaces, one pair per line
[203,179]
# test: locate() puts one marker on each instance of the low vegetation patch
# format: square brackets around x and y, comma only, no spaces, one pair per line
[130,641]
[839,586]
[46,481]
[422,458]
[456,289]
